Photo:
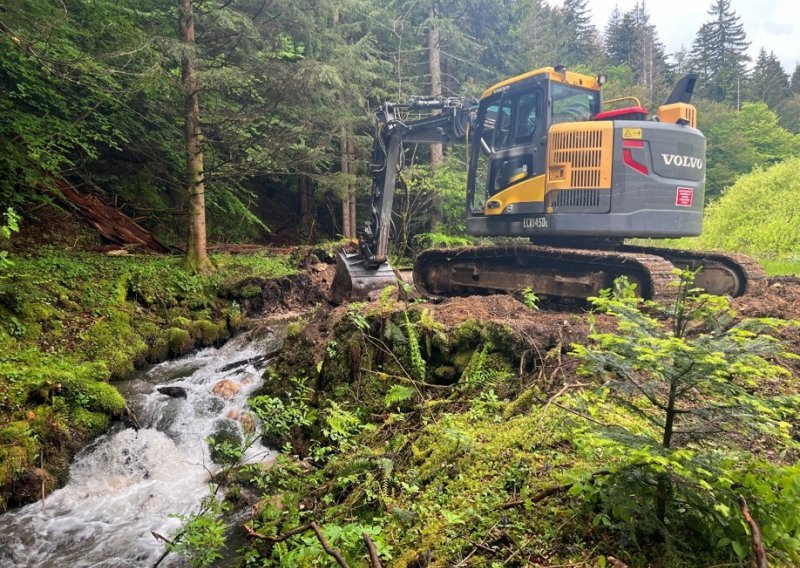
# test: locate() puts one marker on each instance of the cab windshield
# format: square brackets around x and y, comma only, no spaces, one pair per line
[573,104]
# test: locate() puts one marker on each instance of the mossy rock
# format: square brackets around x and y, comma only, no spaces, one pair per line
[159,348]
[95,396]
[204,331]
[93,423]
[179,340]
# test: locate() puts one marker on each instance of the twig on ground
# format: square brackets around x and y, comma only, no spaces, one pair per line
[337,555]
[276,537]
[374,559]
[758,543]
[547,492]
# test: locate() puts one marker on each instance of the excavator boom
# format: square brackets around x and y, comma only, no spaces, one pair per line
[368,269]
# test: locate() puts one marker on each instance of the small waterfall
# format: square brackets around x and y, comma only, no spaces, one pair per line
[126,483]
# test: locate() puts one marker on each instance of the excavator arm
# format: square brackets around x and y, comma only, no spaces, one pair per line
[368,269]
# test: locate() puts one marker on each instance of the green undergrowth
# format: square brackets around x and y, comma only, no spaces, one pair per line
[69,324]
[757,216]
[476,445]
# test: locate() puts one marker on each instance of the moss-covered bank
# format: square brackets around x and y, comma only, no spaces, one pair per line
[69,324]
[460,434]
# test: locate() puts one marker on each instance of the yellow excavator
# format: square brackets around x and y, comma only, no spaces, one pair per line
[548,163]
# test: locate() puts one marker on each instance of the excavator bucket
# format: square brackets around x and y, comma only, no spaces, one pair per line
[354,280]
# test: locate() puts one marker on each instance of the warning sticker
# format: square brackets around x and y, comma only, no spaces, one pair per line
[684,197]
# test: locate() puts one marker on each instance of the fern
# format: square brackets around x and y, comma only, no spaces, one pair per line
[398,394]
[477,372]
[414,352]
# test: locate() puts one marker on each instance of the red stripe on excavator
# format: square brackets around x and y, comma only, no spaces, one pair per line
[627,156]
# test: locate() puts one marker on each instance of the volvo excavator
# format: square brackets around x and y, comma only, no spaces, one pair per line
[565,181]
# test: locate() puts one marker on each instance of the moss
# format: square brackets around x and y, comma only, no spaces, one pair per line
[461,359]
[179,341]
[207,332]
[93,423]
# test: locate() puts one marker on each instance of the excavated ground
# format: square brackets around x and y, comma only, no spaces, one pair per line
[541,329]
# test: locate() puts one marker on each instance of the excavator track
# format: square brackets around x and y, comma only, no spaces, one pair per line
[722,273]
[555,274]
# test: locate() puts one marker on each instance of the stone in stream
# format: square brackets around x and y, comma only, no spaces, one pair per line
[226,388]
[174,392]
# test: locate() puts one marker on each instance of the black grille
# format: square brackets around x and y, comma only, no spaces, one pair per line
[577,198]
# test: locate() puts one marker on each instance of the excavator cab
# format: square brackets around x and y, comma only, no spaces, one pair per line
[508,146]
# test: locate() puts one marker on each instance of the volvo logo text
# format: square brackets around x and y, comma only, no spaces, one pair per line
[682,161]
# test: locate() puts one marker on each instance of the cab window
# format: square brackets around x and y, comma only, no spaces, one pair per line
[572,104]
[517,118]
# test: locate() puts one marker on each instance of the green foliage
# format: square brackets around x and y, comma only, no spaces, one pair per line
[672,390]
[530,299]
[417,363]
[202,534]
[279,418]
[398,394]
[740,141]
[753,216]
[10,225]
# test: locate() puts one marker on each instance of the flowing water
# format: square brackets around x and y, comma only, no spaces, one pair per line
[127,482]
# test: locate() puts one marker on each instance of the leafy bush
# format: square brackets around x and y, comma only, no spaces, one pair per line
[757,215]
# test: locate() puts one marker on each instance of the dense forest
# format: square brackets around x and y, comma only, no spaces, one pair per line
[178,386]
[94,97]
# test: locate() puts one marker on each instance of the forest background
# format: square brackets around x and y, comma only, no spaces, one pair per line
[92,95]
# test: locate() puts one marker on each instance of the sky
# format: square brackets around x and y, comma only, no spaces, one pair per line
[771,24]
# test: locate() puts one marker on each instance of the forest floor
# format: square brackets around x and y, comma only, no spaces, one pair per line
[460,433]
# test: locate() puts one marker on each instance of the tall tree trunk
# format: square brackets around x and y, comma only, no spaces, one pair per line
[347,214]
[306,207]
[435,70]
[351,190]
[196,252]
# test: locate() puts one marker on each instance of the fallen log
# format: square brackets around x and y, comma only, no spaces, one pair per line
[112,223]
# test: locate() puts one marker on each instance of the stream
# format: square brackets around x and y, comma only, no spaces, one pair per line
[127,483]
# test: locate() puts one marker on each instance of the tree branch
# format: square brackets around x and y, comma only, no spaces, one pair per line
[337,555]
[374,559]
[758,543]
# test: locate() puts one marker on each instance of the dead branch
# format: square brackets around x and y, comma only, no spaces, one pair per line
[374,560]
[276,537]
[543,494]
[758,543]
[547,492]
[337,555]
[616,563]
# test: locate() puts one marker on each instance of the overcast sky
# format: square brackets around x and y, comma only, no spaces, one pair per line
[771,24]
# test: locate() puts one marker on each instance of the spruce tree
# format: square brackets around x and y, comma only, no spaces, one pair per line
[769,82]
[581,35]
[719,54]
[796,79]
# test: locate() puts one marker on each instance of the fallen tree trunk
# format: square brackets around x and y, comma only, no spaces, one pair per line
[114,225]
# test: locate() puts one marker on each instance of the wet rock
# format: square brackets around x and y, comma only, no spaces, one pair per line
[226,389]
[174,392]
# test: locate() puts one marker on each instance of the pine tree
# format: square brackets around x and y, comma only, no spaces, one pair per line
[719,54]
[796,79]
[580,33]
[631,40]
[619,38]
[769,82]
